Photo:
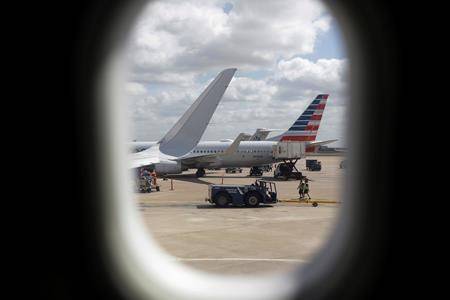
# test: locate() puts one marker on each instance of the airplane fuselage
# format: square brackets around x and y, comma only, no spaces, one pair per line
[248,154]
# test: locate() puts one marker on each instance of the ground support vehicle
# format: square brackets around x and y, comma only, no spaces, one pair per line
[145,185]
[256,171]
[222,195]
[313,165]
[233,170]
[287,170]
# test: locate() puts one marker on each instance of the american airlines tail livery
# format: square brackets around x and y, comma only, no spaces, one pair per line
[305,128]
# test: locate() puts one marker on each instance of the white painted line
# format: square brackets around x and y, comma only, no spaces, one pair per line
[242,259]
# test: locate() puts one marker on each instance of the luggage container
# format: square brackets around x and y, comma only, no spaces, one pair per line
[289,150]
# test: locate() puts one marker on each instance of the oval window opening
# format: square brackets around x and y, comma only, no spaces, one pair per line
[276,72]
[237,138]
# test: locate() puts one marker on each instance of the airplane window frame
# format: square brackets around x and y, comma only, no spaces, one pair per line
[366,70]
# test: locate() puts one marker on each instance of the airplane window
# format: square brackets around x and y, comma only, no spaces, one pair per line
[282,65]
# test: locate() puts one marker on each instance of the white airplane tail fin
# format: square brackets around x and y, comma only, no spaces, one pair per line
[261,134]
[186,133]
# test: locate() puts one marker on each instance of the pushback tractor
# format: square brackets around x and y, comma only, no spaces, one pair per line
[223,195]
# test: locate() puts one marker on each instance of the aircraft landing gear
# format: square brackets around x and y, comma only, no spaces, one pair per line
[200,172]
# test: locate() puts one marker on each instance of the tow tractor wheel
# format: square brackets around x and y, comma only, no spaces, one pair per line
[222,199]
[252,199]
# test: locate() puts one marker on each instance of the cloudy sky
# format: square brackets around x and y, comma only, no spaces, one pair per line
[286,53]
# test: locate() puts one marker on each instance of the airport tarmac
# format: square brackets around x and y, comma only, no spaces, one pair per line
[270,238]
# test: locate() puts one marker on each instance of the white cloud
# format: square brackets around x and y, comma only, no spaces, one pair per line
[276,101]
[180,36]
[301,76]
[248,89]
[324,71]
[135,89]
[177,47]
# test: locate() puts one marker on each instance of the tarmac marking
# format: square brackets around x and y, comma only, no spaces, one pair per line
[309,201]
[293,260]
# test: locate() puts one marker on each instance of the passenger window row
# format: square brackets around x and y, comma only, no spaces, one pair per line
[239,151]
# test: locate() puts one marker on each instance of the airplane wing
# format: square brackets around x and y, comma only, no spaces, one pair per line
[186,133]
[211,158]
[234,146]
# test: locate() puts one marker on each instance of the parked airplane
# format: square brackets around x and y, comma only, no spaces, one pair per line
[257,153]
[219,154]
[259,135]
[166,156]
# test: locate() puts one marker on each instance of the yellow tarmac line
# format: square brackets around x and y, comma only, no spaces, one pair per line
[310,201]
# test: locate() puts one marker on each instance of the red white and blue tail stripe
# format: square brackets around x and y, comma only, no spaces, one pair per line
[306,127]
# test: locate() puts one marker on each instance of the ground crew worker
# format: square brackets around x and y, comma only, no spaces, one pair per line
[300,189]
[306,188]
[145,174]
[147,178]
[303,187]
[154,177]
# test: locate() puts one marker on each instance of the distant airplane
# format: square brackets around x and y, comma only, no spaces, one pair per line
[166,156]
[262,133]
[245,153]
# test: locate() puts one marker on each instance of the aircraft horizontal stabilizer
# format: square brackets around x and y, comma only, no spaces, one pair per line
[145,158]
[321,143]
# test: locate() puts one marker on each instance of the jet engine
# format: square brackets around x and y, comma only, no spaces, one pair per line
[168,167]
